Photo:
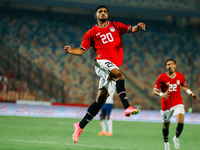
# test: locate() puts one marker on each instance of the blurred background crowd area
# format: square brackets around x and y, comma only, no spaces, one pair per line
[33,65]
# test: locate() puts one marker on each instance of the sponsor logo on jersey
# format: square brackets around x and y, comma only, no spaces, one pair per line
[112,29]
[178,82]
[168,83]
[98,34]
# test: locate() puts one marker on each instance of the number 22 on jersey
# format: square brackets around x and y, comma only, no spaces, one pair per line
[172,87]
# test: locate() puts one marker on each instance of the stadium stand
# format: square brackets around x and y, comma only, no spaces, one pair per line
[39,37]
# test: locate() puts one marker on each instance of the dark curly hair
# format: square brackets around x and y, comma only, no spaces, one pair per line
[170,59]
[100,6]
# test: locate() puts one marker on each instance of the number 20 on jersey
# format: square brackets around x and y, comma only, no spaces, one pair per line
[106,38]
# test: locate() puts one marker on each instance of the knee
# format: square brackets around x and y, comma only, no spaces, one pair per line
[116,74]
[166,125]
[108,117]
[102,97]
[102,117]
[120,76]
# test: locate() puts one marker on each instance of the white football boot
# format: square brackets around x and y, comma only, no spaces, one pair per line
[176,143]
[166,144]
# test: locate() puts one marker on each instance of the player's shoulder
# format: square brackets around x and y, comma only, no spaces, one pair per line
[179,74]
[93,28]
[161,76]
[164,74]
[89,32]
[115,22]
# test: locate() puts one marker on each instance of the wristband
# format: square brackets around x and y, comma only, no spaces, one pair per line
[161,94]
[190,92]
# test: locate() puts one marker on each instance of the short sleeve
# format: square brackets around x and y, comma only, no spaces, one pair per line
[183,82]
[158,83]
[123,28]
[86,41]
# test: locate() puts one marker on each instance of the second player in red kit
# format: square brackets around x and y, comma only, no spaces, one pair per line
[173,85]
[168,86]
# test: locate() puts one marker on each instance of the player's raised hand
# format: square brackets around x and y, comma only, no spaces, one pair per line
[141,25]
[67,49]
[195,97]
[166,95]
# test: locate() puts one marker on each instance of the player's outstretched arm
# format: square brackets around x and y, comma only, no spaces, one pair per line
[189,92]
[76,51]
[136,28]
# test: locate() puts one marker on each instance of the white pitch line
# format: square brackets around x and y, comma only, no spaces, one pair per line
[64,144]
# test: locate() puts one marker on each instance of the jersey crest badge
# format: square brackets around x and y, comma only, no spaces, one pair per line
[178,82]
[112,29]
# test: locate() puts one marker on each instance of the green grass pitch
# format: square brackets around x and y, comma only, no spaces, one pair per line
[34,133]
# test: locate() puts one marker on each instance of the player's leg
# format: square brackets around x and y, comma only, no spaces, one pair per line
[108,110]
[103,121]
[92,111]
[109,71]
[95,107]
[109,125]
[115,74]
[165,131]
[120,87]
[179,112]
[180,121]
[179,129]
[166,116]
[108,107]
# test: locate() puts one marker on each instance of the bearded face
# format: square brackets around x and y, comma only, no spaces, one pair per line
[102,14]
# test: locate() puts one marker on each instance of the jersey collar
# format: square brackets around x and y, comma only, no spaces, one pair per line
[101,26]
[171,76]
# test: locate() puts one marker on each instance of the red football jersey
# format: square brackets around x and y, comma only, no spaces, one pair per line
[172,84]
[106,41]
